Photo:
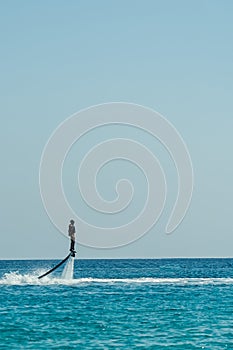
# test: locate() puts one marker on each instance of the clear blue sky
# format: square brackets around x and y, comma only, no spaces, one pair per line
[58,57]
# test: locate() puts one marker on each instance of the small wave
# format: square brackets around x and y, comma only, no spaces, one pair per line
[152,280]
[15,278]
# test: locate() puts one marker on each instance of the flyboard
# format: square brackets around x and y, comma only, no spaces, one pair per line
[60,263]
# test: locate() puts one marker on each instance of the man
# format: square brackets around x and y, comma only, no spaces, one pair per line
[71,233]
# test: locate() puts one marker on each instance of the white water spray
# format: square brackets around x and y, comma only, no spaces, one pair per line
[68,271]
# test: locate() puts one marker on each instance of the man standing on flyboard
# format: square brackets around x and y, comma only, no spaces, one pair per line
[71,233]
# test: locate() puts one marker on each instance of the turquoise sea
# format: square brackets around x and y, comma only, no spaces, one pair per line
[117,304]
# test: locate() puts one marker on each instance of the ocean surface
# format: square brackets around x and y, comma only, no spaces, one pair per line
[117,304]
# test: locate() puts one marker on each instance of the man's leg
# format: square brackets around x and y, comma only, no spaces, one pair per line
[72,245]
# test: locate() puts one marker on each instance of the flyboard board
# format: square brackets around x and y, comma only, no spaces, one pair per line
[60,263]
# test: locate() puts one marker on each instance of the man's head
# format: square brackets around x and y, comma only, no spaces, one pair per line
[72,222]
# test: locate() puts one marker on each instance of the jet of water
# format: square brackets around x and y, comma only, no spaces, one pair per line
[68,271]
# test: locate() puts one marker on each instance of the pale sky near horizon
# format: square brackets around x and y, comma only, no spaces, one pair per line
[59,57]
